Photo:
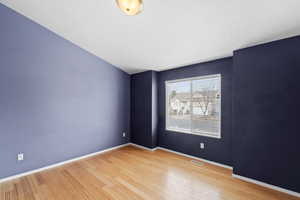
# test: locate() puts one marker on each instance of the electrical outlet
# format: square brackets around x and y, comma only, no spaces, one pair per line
[201,145]
[124,134]
[20,156]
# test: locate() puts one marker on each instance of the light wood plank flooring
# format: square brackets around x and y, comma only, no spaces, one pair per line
[132,173]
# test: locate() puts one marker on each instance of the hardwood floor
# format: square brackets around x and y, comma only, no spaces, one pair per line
[132,173]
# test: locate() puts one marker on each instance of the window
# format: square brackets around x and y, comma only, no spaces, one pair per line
[194,105]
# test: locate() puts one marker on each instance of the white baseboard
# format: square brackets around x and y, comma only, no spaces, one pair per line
[142,147]
[273,187]
[182,154]
[61,163]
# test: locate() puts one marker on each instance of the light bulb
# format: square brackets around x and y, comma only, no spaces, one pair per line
[130,7]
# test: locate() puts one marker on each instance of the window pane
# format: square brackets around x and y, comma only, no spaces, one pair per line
[179,106]
[206,101]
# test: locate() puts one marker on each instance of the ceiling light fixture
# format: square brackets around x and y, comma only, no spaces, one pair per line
[130,7]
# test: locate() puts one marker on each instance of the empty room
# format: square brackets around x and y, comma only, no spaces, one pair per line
[149,100]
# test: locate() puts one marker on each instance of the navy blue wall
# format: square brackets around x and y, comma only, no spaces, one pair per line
[56,100]
[266,107]
[144,120]
[218,150]
[141,108]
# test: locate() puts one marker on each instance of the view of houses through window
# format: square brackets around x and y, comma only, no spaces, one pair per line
[194,105]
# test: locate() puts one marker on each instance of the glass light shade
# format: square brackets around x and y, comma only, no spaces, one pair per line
[130,7]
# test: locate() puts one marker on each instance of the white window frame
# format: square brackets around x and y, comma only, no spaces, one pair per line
[220,106]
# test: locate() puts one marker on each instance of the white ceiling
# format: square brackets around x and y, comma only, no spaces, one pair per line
[168,33]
